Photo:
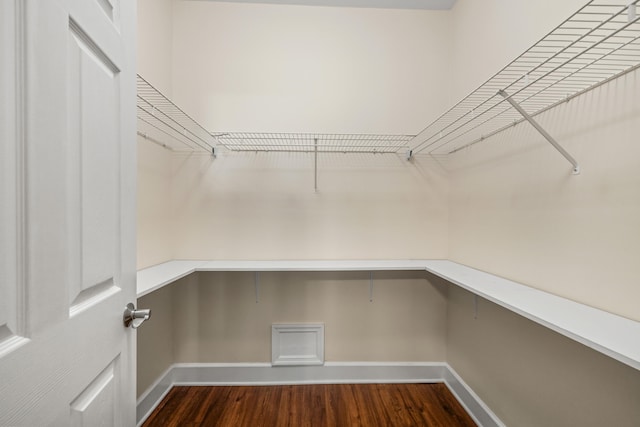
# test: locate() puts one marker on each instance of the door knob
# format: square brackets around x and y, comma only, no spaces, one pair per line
[133,317]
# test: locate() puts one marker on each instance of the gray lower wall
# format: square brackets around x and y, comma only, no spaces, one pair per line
[531,376]
[155,336]
[213,317]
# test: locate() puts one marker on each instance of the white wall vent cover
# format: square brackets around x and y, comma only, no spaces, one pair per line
[295,344]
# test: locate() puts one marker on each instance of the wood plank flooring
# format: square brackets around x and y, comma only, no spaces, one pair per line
[311,405]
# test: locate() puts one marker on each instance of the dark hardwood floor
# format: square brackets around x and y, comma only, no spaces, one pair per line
[311,405]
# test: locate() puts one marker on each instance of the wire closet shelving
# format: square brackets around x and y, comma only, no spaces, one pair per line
[598,43]
[314,142]
[163,122]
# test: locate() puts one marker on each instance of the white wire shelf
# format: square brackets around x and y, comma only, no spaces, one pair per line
[314,142]
[598,43]
[163,122]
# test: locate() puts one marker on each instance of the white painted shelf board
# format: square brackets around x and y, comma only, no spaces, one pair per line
[610,334]
[155,277]
[158,276]
[607,333]
[314,265]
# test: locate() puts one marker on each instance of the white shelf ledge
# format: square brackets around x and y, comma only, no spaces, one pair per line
[612,335]
[313,265]
[615,336]
[153,278]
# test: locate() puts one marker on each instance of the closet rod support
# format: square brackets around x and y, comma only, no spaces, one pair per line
[256,284]
[475,307]
[540,129]
[315,165]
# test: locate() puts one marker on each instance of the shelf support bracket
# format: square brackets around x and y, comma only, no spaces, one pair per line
[315,165]
[544,133]
[256,284]
[475,306]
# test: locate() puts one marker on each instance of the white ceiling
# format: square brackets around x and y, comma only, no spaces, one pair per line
[383,4]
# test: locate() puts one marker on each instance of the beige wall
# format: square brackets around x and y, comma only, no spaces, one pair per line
[155,212]
[283,68]
[155,41]
[155,209]
[531,376]
[263,206]
[275,68]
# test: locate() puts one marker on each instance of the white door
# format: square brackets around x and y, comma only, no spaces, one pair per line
[67,214]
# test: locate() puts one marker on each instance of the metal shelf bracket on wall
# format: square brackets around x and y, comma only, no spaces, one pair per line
[409,155]
[542,131]
[371,286]
[315,164]
[256,285]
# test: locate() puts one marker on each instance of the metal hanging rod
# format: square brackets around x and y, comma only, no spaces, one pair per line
[163,122]
[315,165]
[598,43]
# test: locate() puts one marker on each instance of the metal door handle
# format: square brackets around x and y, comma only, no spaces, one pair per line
[133,317]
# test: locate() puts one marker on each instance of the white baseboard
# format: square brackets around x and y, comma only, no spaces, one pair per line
[479,411]
[152,397]
[329,373]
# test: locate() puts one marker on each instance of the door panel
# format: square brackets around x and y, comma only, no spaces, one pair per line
[111,9]
[97,405]
[45,143]
[68,229]
[94,150]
